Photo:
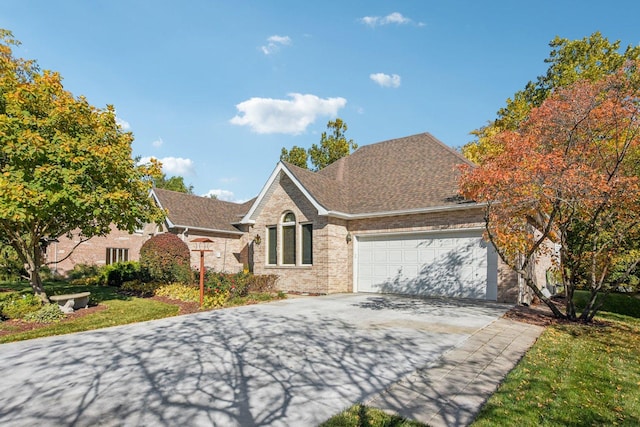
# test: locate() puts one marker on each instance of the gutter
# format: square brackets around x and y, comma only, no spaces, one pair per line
[343,215]
[211,230]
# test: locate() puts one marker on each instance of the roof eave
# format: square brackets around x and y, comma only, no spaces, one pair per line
[210,230]
[344,215]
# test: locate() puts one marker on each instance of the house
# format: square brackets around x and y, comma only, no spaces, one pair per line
[387,218]
[187,215]
[192,217]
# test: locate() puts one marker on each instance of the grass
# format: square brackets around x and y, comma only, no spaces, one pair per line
[576,374]
[360,415]
[120,311]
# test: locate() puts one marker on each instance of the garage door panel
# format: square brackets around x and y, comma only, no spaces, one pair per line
[437,264]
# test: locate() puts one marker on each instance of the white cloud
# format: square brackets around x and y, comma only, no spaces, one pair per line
[392,18]
[274,43]
[386,80]
[290,116]
[123,123]
[157,143]
[174,166]
[228,180]
[225,195]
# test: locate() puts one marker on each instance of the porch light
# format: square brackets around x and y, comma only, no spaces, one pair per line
[348,238]
[202,245]
[257,240]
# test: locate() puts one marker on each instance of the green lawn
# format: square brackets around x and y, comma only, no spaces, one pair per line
[576,375]
[359,416]
[120,310]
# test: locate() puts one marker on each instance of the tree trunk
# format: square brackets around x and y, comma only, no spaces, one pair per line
[556,311]
[36,284]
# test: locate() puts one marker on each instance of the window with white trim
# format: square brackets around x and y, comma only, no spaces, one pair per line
[307,243]
[288,226]
[117,255]
[289,243]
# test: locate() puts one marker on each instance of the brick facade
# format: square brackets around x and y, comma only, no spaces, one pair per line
[332,270]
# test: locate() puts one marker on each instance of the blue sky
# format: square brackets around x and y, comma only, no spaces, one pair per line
[215,89]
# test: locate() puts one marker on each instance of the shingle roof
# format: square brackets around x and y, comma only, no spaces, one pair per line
[414,172]
[201,212]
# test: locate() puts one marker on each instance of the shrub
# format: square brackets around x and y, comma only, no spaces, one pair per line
[120,272]
[191,293]
[48,313]
[234,284]
[262,283]
[139,288]
[83,271]
[16,306]
[165,258]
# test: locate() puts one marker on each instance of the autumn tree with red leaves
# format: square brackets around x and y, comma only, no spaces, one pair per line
[569,175]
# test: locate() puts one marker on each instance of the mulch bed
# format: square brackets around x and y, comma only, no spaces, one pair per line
[540,314]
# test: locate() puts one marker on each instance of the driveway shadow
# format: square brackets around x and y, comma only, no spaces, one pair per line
[248,366]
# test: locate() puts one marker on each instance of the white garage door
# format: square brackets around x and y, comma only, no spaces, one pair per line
[455,264]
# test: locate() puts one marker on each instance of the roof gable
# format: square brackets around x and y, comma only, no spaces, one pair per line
[414,174]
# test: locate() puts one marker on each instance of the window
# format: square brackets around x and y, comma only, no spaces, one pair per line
[272,245]
[307,243]
[289,239]
[282,242]
[117,255]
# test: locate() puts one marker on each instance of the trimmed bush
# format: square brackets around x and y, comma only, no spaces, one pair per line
[120,272]
[165,258]
[48,313]
[16,306]
[190,293]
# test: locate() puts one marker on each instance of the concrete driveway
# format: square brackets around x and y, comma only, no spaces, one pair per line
[292,362]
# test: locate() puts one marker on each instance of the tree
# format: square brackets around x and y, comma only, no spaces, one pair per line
[332,147]
[590,58]
[567,175]
[65,166]
[175,183]
[296,156]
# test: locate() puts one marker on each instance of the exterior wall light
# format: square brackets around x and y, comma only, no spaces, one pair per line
[257,240]
[348,237]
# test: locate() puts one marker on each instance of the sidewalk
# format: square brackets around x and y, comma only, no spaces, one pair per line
[452,390]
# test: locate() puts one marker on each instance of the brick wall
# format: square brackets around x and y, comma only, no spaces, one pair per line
[286,197]
[94,251]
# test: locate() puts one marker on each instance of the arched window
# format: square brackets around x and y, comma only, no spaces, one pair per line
[282,242]
[288,238]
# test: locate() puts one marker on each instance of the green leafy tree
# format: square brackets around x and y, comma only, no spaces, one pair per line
[296,156]
[65,166]
[175,183]
[591,58]
[333,146]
